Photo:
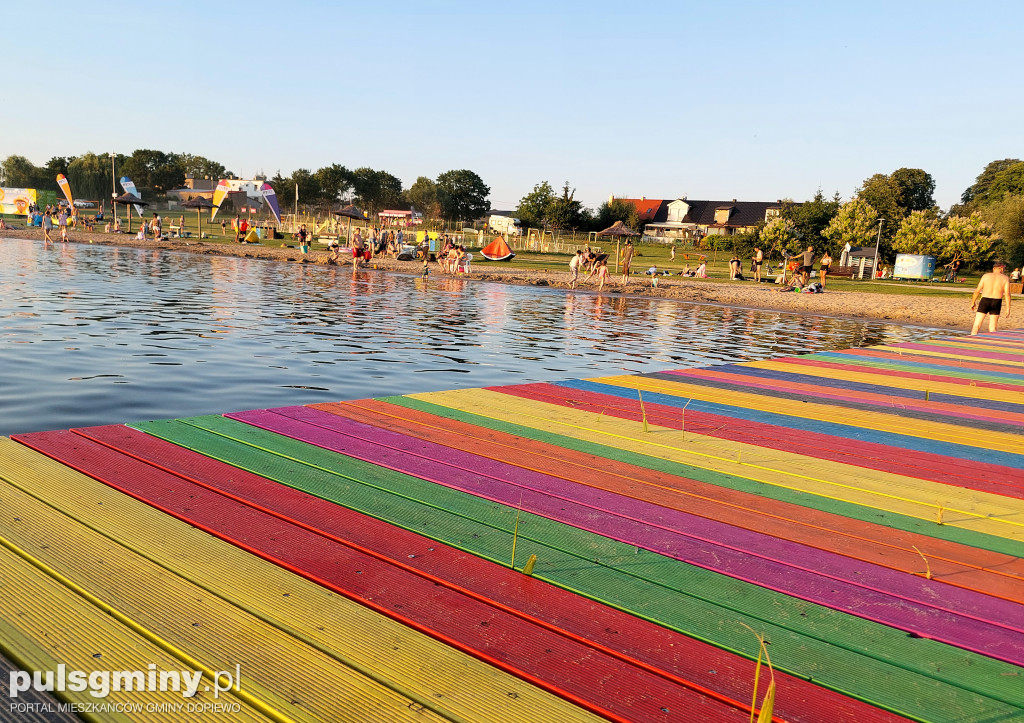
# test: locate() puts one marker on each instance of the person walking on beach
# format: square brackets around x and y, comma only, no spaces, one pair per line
[574,268]
[993,288]
[627,259]
[805,271]
[157,226]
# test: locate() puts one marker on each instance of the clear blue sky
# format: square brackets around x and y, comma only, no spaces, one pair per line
[747,100]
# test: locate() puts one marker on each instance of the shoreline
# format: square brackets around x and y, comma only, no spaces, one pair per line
[935,312]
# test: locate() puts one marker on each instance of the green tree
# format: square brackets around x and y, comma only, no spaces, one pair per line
[967,239]
[463,195]
[919,233]
[423,196]
[879,193]
[1007,217]
[779,235]
[155,171]
[200,167]
[335,181]
[985,178]
[617,210]
[533,207]
[914,189]
[812,217]
[58,165]
[89,176]
[856,223]
[1008,182]
[284,189]
[374,190]
[565,212]
[307,185]
[20,172]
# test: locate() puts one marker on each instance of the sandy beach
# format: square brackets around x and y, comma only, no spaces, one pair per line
[943,312]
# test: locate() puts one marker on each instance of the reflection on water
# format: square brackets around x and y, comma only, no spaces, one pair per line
[94,335]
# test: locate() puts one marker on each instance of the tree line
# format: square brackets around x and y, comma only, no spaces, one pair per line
[456,195]
[989,220]
[91,175]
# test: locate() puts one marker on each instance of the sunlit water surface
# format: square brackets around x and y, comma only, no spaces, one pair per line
[98,335]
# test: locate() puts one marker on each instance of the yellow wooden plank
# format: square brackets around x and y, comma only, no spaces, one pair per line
[950,355]
[888,378]
[988,513]
[453,683]
[878,421]
[43,624]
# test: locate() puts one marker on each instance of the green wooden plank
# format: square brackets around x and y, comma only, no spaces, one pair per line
[880,665]
[897,521]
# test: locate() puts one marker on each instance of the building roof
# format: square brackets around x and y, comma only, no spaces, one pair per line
[650,210]
[744,213]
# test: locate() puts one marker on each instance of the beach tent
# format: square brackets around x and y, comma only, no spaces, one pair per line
[497,250]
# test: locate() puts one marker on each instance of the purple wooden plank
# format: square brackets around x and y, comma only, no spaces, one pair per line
[986,625]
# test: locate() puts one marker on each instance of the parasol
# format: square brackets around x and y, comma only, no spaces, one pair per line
[127,199]
[198,203]
[350,212]
[617,230]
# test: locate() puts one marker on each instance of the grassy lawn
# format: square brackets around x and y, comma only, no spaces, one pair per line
[718,270]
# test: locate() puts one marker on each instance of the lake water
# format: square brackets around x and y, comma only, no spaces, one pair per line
[98,335]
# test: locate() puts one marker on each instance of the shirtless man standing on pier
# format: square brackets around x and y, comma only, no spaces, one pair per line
[993,288]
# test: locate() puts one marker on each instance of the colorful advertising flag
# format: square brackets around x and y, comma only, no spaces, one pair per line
[129,187]
[17,200]
[270,198]
[218,196]
[64,186]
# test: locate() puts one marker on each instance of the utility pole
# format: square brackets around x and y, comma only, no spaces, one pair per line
[874,267]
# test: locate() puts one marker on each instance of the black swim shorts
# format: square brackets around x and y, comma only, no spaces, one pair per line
[990,306]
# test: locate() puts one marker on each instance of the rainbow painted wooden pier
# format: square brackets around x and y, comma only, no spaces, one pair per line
[861,510]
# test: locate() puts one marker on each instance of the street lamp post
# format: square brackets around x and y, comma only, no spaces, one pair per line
[878,241]
[113,189]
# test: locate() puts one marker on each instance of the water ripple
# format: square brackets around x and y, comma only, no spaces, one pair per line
[99,335]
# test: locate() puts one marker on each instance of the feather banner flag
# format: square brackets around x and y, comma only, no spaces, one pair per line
[218,196]
[66,187]
[129,187]
[271,200]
